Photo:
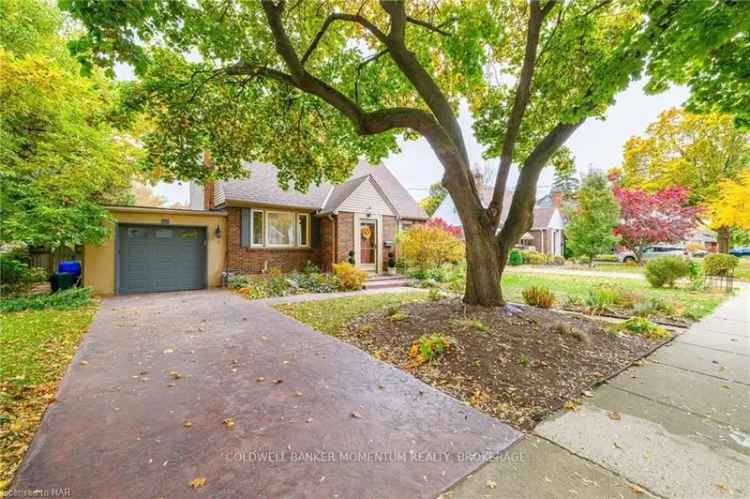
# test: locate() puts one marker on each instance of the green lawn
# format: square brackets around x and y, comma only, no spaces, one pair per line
[698,303]
[607,267]
[329,315]
[35,349]
[742,272]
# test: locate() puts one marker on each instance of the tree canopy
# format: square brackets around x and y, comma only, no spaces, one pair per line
[696,151]
[706,46]
[59,156]
[589,231]
[730,207]
[311,86]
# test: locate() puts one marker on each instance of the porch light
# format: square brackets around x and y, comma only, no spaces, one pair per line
[217,232]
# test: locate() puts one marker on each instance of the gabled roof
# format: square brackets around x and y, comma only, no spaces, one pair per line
[262,187]
[341,192]
[542,215]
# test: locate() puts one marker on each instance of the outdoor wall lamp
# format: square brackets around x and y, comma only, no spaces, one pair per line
[218,232]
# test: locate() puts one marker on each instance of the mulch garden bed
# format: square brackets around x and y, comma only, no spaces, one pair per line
[517,364]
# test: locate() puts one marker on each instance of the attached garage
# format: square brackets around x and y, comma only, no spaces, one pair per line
[157,249]
[155,258]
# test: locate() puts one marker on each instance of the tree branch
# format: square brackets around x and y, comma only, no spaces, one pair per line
[355,18]
[429,26]
[520,215]
[521,101]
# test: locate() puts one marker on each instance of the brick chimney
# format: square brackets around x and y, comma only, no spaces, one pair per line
[557,198]
[209,186]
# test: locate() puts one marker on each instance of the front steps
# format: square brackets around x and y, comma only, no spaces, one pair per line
[382,281]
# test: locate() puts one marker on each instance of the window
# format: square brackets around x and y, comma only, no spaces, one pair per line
[280,228]
[303,227]
[257,228]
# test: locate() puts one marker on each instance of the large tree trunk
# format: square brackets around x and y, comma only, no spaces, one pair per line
[723,236]
[483,269]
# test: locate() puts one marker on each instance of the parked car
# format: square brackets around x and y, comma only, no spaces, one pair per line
[739,252]
[653,252]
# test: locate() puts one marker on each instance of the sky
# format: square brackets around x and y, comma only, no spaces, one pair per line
[597,144]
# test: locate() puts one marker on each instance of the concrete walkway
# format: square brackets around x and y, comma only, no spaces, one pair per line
[169,388]
[678,426]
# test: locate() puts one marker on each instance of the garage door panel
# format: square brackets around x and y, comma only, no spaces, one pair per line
[155,258]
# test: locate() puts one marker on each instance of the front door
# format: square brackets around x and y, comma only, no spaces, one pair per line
[368,244]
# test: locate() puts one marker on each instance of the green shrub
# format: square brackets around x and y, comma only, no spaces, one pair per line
[238,281]
[573,301]
[533,257]
[652,306]
[427,348]
[719,264]
[538,296]
[665,270]
[558,260]
[640,326]
[16,275]
[62,300]
[434,294]
[601,298]
[515,258]
[310,268]
[313,282]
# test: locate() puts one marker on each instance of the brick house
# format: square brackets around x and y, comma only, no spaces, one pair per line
[269,227]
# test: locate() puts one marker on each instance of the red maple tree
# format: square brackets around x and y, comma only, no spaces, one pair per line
[438,222]
[649,218]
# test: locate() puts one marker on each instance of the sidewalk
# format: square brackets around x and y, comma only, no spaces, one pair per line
[677,426]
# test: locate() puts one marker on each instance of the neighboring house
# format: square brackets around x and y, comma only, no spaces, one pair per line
[251,225]
[547,230]
[705,237]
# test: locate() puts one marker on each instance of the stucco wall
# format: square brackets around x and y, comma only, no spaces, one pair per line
[99,261]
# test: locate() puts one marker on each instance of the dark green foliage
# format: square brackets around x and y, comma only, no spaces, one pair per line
[666,270]
[62,300]
[15,273]
[515,258]
[588,231]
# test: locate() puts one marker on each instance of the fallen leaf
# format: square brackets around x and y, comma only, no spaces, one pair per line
[309,420]
[277,381]
[298,393]
[724,487]
[187,424]
[228,423]
[260,379]
[84,362]
[636,489]
[175,375]
[491,484]
[588,393]
[356,415]
[197,483]
[615,416]
[570,405]
[168,350]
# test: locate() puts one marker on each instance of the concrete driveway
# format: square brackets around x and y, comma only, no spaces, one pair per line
[173,387]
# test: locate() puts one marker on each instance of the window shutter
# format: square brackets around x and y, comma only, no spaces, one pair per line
[245,227]
[314,232]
